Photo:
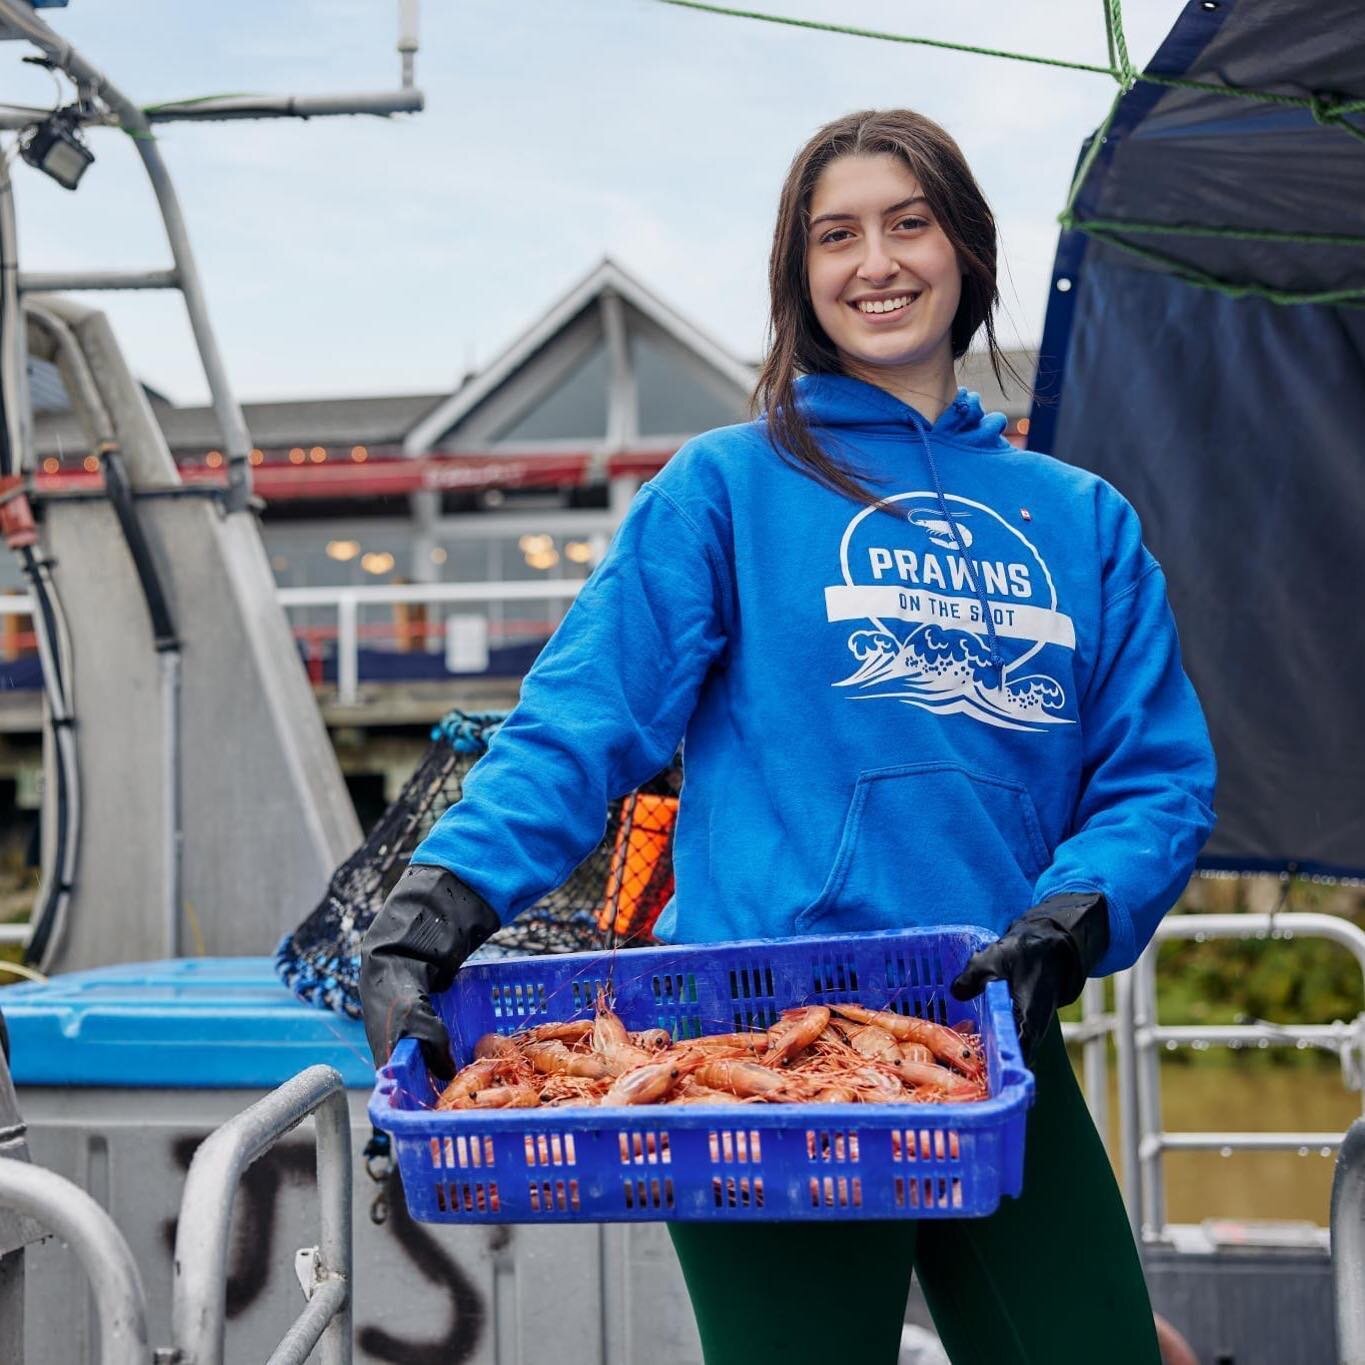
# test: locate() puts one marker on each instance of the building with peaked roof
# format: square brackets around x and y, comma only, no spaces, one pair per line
[520,473]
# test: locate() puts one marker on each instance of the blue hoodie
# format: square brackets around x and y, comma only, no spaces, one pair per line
[936,714]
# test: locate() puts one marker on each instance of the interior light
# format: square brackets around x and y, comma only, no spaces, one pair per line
[543,559]
[256,456]
[359,454]
[279,563]
[91,464]
[438,556]
[376,562]
[317,454]
[536,545]
[296,456]
[578,551]
[56,149]
[343,549]
[214,459]
[1022,426]
[51,465]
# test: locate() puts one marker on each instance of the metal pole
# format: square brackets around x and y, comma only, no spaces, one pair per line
[85,1227]
[1148,1094]
[1129,1125]
[382,103]
[63,282]
[332,1123]
[1095,1054]
[173,849]
[236,442]
[1348,1245]
[199,1306]
[348,651]
[14,1235]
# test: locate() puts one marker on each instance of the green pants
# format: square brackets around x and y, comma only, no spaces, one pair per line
[1050,1278]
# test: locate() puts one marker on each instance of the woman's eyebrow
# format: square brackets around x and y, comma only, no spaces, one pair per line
[849,217]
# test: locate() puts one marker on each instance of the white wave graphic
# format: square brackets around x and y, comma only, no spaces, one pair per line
[950,672]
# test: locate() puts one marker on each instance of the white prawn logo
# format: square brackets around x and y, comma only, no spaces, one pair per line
[925,638]
[938,530]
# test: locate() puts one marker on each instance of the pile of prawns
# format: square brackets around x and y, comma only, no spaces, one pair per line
[843,1054]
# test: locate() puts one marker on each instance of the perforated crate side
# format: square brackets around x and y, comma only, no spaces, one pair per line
[729,1162]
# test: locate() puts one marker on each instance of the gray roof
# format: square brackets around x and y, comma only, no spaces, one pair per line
[382,420]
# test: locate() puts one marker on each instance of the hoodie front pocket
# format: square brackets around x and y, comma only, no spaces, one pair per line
[931,843]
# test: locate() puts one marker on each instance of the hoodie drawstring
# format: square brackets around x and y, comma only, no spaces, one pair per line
[997,661]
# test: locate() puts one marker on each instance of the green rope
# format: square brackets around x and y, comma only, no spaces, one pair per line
[1327,110]
[852,32]
[1097,225]
[1124,70]
[1193,275]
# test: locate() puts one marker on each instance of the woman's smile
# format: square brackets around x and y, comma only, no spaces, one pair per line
[884,279]
[875,308]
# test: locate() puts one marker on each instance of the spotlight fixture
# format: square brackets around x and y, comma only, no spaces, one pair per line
[56,149]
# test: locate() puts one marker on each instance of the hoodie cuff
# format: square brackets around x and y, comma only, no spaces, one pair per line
[1123,950]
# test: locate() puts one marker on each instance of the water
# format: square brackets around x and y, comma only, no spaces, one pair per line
[1243,1094]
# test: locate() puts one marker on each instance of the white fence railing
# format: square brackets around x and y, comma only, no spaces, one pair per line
[342,611]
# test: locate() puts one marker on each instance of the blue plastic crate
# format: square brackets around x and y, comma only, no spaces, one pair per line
[699,1162]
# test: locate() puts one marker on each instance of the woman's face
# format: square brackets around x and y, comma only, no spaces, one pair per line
[884,279]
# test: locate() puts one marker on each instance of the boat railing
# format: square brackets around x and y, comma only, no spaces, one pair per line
[199,1307]
[64,1208]
[1348,1245]
[1140,1038]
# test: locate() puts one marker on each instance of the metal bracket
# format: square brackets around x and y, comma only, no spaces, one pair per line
[308,1269]
[1353,1056]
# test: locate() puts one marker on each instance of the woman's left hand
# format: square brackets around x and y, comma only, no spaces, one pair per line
[1045,957]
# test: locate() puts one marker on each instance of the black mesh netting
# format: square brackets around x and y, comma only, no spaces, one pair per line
[625,882]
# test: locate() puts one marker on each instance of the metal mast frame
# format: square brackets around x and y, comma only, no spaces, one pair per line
[109,106]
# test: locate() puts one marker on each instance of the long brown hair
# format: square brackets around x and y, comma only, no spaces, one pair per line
[797,343]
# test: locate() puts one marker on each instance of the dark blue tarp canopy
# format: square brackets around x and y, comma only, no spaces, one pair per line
[1233,422]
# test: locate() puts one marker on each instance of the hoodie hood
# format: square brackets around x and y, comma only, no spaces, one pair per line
[837,400]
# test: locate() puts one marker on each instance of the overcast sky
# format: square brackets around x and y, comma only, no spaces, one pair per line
[359,256]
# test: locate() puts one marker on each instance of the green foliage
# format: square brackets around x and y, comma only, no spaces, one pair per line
[1287,981]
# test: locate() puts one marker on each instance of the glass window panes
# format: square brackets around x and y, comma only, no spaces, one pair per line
[673,400]
[575,409]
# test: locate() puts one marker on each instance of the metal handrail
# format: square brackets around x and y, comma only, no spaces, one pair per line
[348,601]
[1140,1038]
[1348,1245]
[65,1208]
[198,1312]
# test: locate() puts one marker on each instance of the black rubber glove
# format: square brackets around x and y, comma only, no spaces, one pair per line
[430,923]
[1045,957]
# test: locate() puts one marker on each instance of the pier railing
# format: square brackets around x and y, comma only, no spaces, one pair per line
[338,629]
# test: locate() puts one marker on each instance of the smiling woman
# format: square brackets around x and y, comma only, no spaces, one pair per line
[883,268]
[884,281]
[922,678]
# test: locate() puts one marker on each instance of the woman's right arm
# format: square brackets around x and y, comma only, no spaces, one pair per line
[602,710]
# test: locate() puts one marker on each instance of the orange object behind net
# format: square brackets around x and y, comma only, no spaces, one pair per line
[640,879]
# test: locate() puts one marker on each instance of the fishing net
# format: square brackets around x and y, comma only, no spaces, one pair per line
[612,897]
